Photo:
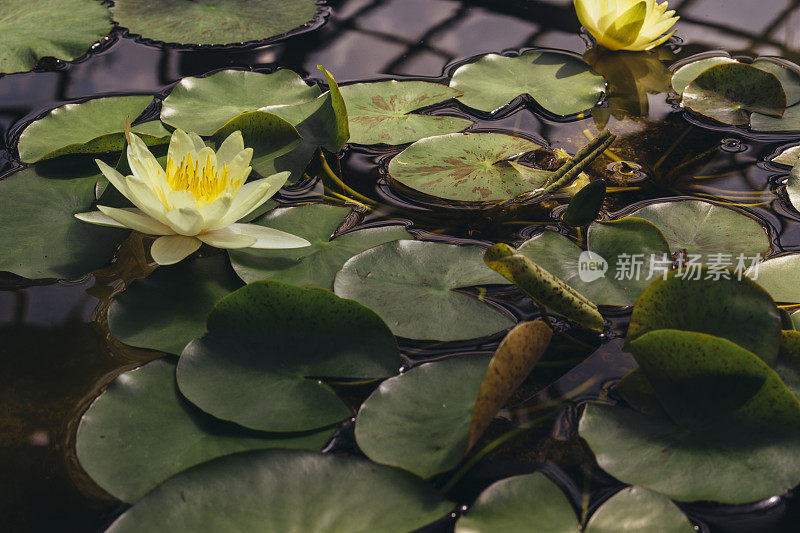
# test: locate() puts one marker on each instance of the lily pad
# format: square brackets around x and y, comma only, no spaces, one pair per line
[381,112]
[613,280]
[786,72]
[739,311]
[168,309]
[413,286]
[687,73]
[420,420]
[787,157]
[729,92]
[560,83]
[790,121]
[532,502]
[469,167]
[705,229]
[92,127]
[64,29]
[290,491]
[212,21]
[315,265]
[203,105]
[258,366]
[748,449]
[140,432]
[779,277]
[41,237]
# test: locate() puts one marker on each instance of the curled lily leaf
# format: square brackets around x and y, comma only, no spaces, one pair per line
[626,24]
[198,198]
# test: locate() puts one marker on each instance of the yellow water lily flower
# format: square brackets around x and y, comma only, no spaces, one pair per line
[626,24]
[197,199]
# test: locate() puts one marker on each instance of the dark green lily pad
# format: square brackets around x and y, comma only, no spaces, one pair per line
[704,229]
[585,206]
[469,167]
[748,448]
[729,92]
[140,432]
[790,121]
[607,243]
[684,75]
[739,311]
[787,74]
[560,83]
[315,265]
[420,420]
[779,276]
[212,21]
[203,105]
[92,127]
[290,491]
[64,29]
[168,309]
[532,502]
[41,237]
[381,112]
[412,285]
[259,366]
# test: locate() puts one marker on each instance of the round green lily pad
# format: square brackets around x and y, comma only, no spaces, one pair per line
[532,502]
[705,229]
[93,127]
[684,75]
[41,237]
[788,156]
[287,491]
[560,83]
[140,432]
[260,365]
[412,285]
[420,420]
[203,105]
[786,72]
[381,112]
[212,21]
[168,309]
[315,265]
[468,167]
[790,121]
[64,29]
[779,277]
[739,311]
[729,92]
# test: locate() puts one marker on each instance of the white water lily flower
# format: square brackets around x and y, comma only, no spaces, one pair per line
[197,199]
[626,24]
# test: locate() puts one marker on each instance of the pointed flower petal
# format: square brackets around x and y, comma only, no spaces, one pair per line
[136,220]
[170,249]
[230,148]
[100,219]
[269,237]
[227,239]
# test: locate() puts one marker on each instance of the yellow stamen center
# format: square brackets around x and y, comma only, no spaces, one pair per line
[206,186]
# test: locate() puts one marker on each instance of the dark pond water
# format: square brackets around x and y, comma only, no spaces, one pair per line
[55,351]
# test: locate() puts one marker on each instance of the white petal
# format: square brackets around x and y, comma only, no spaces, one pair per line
[216,210]
[227,238]
[98,218]
[115,178]
[136,220]
[196,141]
[269,237]
[181,199]
[206,156]
[143,163]
[170,249]
[230,148]
[185,221]
[145,198]
[251,196]
[180,145]
[239,166]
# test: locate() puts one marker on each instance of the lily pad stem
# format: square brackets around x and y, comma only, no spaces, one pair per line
[331,175]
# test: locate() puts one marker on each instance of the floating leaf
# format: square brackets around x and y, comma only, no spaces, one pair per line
[41,237]
[420,420]
[779,277]
[790,121]
[290,491]
[212,21]
[33,29]
[168,309]
[788,156]
[140,432]
[381,112]
[92,127]
[586,204]
[469,167]
[203,105]
[514,359]
[729,92]
[687,73]
[606,279]
[412,285]
[560,83]
[706,229]
[788,364]
[532,502]
[258,366]
[787,74]
[749,449]
[315,265]
[739,311]
[546,289]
